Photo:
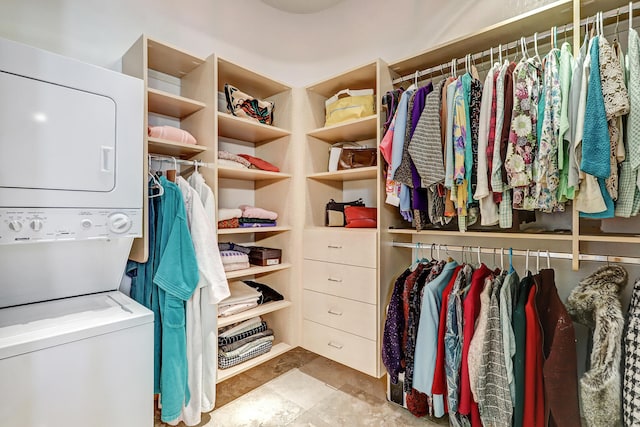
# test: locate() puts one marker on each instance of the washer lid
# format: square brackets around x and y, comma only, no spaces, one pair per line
[33,327]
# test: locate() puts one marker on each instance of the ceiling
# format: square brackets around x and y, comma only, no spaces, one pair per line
[302,6]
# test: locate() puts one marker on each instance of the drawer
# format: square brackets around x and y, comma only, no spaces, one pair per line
[347,281]
[356,352]
[352,247]
[347,315]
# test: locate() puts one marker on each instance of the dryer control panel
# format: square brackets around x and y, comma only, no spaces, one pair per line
[25,225]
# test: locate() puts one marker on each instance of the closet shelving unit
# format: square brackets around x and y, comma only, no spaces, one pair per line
[341,307]
[178,87]
[269,190]
[583,234]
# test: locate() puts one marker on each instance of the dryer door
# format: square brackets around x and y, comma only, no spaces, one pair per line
[55,137]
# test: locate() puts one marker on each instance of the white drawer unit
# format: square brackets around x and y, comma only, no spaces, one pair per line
[347,281]
[356,317]
[351,350]
[352,247]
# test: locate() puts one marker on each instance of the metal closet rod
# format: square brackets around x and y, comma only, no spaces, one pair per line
[170,159]
[486,53]
[519,252]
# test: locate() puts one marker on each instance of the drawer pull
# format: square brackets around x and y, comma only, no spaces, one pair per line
[334,247]
[335,313]
[334,345]
[331,279]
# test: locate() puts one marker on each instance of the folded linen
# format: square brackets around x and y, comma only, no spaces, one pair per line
[233,256]
[254,212]
[257,225]
[231,164]
[171,133]
[246,347]
[240,327]
[233,266]
[256,221]
[267,293]
[228,246]
[228,362]
[240,343]
[225,155]
[246,333]
[241,293]
[228,213]
[229,223]
[229,310]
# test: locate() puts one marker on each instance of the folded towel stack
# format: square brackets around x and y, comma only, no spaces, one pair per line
[234,260]
[246,295]
[243,341]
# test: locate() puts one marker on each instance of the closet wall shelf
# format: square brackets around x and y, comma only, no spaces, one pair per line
[174,149]
[170,60]
[276,229]
[257,311]
[276,351]
[611,238]
[233,127]
[557,13]
[247,81]
[347,175]
[363,77]
[171,105]
[255,270]
[251,174]
[355,130]
[484,234]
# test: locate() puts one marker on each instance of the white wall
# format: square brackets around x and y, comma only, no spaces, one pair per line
[296,49]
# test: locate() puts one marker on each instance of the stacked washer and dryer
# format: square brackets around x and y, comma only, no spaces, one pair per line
[74,351]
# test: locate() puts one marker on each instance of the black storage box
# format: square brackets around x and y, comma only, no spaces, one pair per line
[265,256]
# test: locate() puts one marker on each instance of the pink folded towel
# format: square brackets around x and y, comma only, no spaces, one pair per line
[172,134]
[253,212]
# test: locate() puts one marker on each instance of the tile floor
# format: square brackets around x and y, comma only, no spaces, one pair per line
[300,388]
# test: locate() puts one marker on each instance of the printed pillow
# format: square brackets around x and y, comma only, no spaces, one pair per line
[242,105]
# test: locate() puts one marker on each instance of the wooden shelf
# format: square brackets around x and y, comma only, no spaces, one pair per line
[363,77]
[610,238]
[485,234]
[257,311]
[355,130]
[276,351]
[174,149]
[255,270]
[557,13]
[247,81]
[170,60]
[250,174]
[233,127]
[357,174]
[167,104]
[249,230]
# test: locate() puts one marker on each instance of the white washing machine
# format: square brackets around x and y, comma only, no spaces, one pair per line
[74,351]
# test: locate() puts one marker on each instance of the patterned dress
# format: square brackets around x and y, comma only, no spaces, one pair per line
[522,147]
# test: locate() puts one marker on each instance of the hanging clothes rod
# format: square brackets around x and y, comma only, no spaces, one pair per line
[519,252]
[170,159]
[505,46]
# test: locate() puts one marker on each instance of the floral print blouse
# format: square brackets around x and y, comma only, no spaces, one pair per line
[522,146]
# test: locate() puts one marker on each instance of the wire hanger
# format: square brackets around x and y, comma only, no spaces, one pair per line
[548,260]
[155,183]
[501,259]
[511,269]
[526,262]
[630,15]
[500,53]
[479,260]
[535,45]
[538,260]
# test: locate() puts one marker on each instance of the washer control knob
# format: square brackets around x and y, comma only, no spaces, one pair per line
[15,225]
[119,223]
[36,224]
[86,223]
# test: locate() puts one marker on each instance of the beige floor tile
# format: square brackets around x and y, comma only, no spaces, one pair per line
[301,388]
[229,390]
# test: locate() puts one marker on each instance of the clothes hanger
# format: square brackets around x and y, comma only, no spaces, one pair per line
[511,269]
[548,260]
[155,183]
[630,15]
[474,70]
[500,53]
[479,260]
[535,46]
[526,263]
[538,260]
[171,173]
[501,259]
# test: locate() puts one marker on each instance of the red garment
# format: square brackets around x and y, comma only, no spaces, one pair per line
[417,403]
[471,310]
[260,164]
[533,387]
[439,377]
[409,283]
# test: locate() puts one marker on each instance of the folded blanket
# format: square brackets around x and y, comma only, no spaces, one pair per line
[261,327]
[233,266]
[256,221]
[253,212]
[229,223]
[237,328]
[228,246]
[229,310]
[257,225]
[226,213]
[172,134]
[247,347]
[233,256]
[240,343]
[267,293]
[260,164]
[225,155]
[228,362]
[231,164]
[241,293]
